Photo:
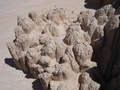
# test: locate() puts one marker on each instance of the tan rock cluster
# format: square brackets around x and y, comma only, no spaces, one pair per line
[52,52]
[67,55]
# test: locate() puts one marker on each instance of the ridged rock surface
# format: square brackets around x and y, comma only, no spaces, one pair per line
[69,55]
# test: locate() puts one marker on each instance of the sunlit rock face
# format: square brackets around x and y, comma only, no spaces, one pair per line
[82,54]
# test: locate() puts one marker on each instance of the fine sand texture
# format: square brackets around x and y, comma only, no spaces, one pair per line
[11,78]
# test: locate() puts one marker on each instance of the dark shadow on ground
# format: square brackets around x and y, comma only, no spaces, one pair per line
[90,5]
[10,62]
[95,75]
[37,85]
[28,75]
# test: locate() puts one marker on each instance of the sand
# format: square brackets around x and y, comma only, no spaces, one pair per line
[12,78]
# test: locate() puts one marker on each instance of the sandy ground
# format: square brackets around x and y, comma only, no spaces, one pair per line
[10,77]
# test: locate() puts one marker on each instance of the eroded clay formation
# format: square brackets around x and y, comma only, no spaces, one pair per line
[67,55]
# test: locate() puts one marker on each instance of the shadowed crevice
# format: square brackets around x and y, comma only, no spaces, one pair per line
[37,85]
